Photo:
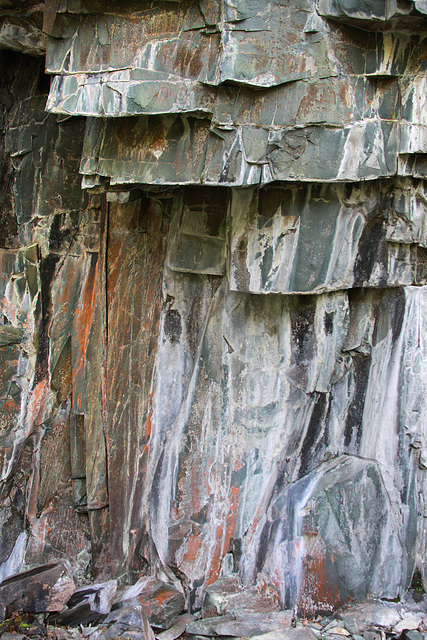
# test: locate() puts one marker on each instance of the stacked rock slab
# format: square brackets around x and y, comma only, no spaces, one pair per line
[214,359]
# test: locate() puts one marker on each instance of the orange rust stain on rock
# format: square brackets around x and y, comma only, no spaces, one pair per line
[320,589]
[162,597]
[194,547]
[147,427]
[214,569]
[10,406]
[83,322]
[223,537]
[37,404]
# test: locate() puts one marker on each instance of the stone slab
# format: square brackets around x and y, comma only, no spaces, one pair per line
[44,589]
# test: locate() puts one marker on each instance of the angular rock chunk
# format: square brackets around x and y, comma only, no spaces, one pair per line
[301,633]
[128,622]
[248,625]
[411,634]
[228,596]
[45,588]
[380,614]
[177,628]
[160,602]
[343,520]
[218,595]
[88,603]
[409,622]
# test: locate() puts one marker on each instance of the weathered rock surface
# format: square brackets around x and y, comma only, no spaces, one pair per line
[229,596]
[341,515]
[219,386]
[247,625]
[46,588]
[88,604]
[129,623]
[301,633]
[161,603]
[177,628]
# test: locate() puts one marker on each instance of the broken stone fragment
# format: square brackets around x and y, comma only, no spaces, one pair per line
[45,588]
[372,635]
[128,622]
[339,631]
[228,596]
[88,604]
[380,614]
[66,634]
[218,595]
[301,633]
[247,625]
[160,602]
[410,621]
[412,634]
[177,628]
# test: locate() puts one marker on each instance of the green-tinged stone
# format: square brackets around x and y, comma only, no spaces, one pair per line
[10,335]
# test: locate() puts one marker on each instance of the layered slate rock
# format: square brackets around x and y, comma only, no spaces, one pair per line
[43,589]
[360,117]
[214,361]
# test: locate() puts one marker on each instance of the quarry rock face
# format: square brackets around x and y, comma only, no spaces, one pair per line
[213,290]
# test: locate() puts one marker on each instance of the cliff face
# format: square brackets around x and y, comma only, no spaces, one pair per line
[213,273]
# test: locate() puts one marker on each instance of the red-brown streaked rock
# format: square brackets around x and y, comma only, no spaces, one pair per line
[161,602]
[227,595]
[45,588]
[134,297]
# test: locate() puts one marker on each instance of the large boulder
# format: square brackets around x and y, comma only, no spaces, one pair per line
[45,588]
[334,534]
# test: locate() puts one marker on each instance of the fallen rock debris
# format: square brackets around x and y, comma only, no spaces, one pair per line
[44,603]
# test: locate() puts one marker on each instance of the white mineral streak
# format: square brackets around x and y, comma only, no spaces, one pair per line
[354,153]
[19,306]
[385,405]
[256,379]
[331,344]
[348,231]
[15,561]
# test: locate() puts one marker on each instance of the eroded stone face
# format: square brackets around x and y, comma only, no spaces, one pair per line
[337,523]
[213,361]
